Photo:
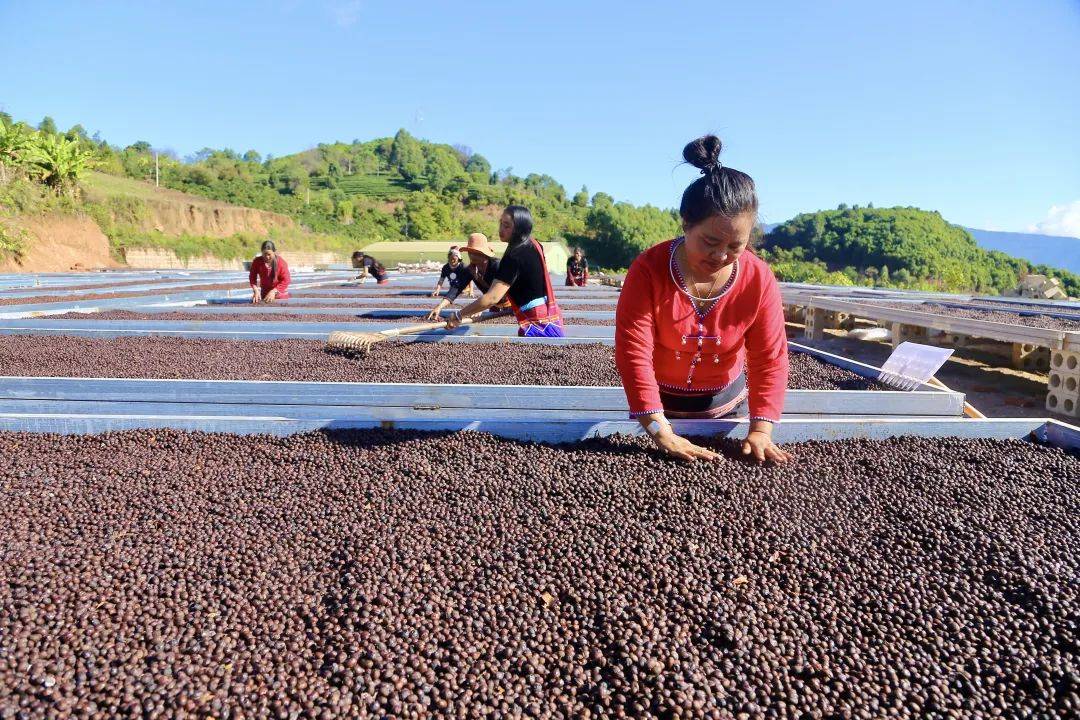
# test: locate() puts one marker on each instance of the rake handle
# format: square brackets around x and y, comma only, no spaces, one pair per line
[424,327]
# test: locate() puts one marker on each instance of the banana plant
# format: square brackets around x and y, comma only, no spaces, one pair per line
[59,162]
[15,142]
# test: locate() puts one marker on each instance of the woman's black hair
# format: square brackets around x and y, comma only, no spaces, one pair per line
[268,245]
[523,223]
[577,249]
[357,254]
[720,190]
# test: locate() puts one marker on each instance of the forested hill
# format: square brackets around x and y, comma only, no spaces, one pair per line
[899,246]
[404,188]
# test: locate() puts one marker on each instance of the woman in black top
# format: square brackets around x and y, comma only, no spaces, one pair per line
[369,266]
[458,278]
[577,268]
[523,278]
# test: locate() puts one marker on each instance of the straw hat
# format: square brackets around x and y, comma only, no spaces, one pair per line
[478,245]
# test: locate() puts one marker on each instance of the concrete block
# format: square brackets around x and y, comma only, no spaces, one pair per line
[815,323]
[795,313]
[903,333]
[1065,362]
[1033,358]
[835,320]
[1064,382]
[1063,402]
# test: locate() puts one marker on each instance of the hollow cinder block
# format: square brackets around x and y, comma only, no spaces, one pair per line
[1065,362]
[1064,382]
[1063,402]
[815,323]
[1033,358]
[902,333]
[953,339]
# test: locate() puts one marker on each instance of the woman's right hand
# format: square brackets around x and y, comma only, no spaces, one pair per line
[678,447]
[435,292]
[255,298]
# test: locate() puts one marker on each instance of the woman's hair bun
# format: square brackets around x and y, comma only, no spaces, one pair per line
[704,152]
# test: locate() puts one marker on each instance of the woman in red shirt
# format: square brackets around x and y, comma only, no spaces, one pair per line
[269,276]
[699,328]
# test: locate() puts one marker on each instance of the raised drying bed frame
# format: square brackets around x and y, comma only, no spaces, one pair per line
[1054,351]
[1046,431]
[399,401]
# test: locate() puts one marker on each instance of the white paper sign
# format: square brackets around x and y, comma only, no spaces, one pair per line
[912,364]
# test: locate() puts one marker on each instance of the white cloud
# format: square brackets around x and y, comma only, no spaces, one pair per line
[1061,220]
[345,13]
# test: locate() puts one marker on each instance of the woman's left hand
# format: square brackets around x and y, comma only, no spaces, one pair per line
[271,296]
[454,321]
[759,443]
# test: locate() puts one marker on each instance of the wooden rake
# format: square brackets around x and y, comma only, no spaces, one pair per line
[359,344]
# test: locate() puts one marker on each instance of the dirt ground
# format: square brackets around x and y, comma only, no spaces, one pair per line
[59,243]
[981,374]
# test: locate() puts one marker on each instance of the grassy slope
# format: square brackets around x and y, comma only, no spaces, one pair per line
[116,203]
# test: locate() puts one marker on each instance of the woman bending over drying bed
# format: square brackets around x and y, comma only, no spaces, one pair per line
[480,271]
[269,276]
[368,265]
[696,311]
[523,278]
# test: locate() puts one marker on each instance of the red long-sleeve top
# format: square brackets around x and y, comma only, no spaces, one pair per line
[659,332]
[262,272]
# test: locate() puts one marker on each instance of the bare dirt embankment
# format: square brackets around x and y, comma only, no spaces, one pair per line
[60,242]
[181,216]
[177,213]
[57,243]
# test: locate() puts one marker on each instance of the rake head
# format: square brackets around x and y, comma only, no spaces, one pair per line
[353,344]
[900,382]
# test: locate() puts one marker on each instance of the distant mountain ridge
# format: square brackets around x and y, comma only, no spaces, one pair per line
[1055,250]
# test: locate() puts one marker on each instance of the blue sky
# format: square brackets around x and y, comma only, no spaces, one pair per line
[970,108]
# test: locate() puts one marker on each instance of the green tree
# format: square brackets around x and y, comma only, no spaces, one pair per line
[289,177]
[443,168]
[479,168]
[429,217]
[252,156]
[407,156]
[602,199]
[621,231]
[59,162]
[581,197]
[48,126]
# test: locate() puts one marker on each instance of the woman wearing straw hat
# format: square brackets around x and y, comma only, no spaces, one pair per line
[460,279]
[482,263]
[522,278]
